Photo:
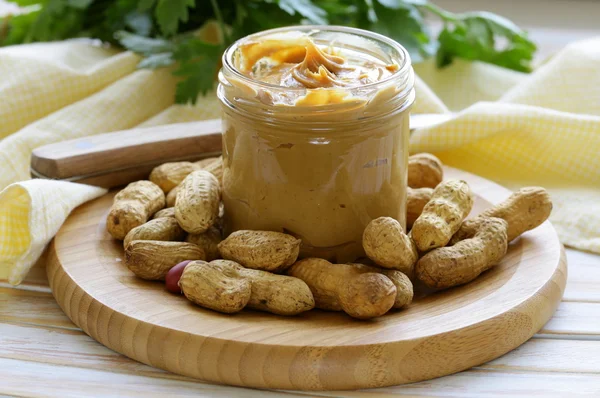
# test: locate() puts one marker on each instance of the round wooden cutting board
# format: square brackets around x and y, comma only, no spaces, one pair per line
[437,335]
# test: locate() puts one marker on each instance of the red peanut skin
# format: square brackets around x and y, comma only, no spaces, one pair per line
[173,276]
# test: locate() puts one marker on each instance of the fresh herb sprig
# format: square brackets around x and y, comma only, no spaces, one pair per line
[164,32]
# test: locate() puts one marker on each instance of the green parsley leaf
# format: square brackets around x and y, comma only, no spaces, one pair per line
[397,4]
[170,12]
[403,23]
[14,28]
[485,37]
[140,22]
[371,14]
[499,25]
[313,13]
[80,4]
[144,5]
[58,20]
[199,63]
[24,3]
[144,45]
[155,61]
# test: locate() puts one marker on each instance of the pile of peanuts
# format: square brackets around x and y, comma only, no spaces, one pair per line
[172,230]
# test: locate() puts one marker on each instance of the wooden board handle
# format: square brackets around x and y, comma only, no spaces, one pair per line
[114,159]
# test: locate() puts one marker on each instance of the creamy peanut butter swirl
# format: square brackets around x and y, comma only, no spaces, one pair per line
[300,63]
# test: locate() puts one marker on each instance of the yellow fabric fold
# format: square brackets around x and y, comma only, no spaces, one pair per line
[516,129]
[38,79]
[570,82]
[122,105]
[31,213]
[207,107]
[519,143]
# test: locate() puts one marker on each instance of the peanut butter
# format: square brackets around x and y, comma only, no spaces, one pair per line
[315,138]
[301,63]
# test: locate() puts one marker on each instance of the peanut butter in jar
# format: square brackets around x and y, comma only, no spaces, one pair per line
[315,135]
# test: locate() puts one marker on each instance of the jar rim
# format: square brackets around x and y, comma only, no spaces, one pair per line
[403,69]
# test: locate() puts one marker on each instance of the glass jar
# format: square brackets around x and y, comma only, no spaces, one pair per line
[315,169]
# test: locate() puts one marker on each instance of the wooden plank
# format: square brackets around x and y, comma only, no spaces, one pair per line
[550,355]
[31,307]
[68,348]
[482,384]
[584,277]
[574,319]
[34,379]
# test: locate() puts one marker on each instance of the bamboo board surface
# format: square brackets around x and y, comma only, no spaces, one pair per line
[438,335]
[36,337]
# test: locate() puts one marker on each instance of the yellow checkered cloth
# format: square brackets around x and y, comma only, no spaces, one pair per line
[517,129]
